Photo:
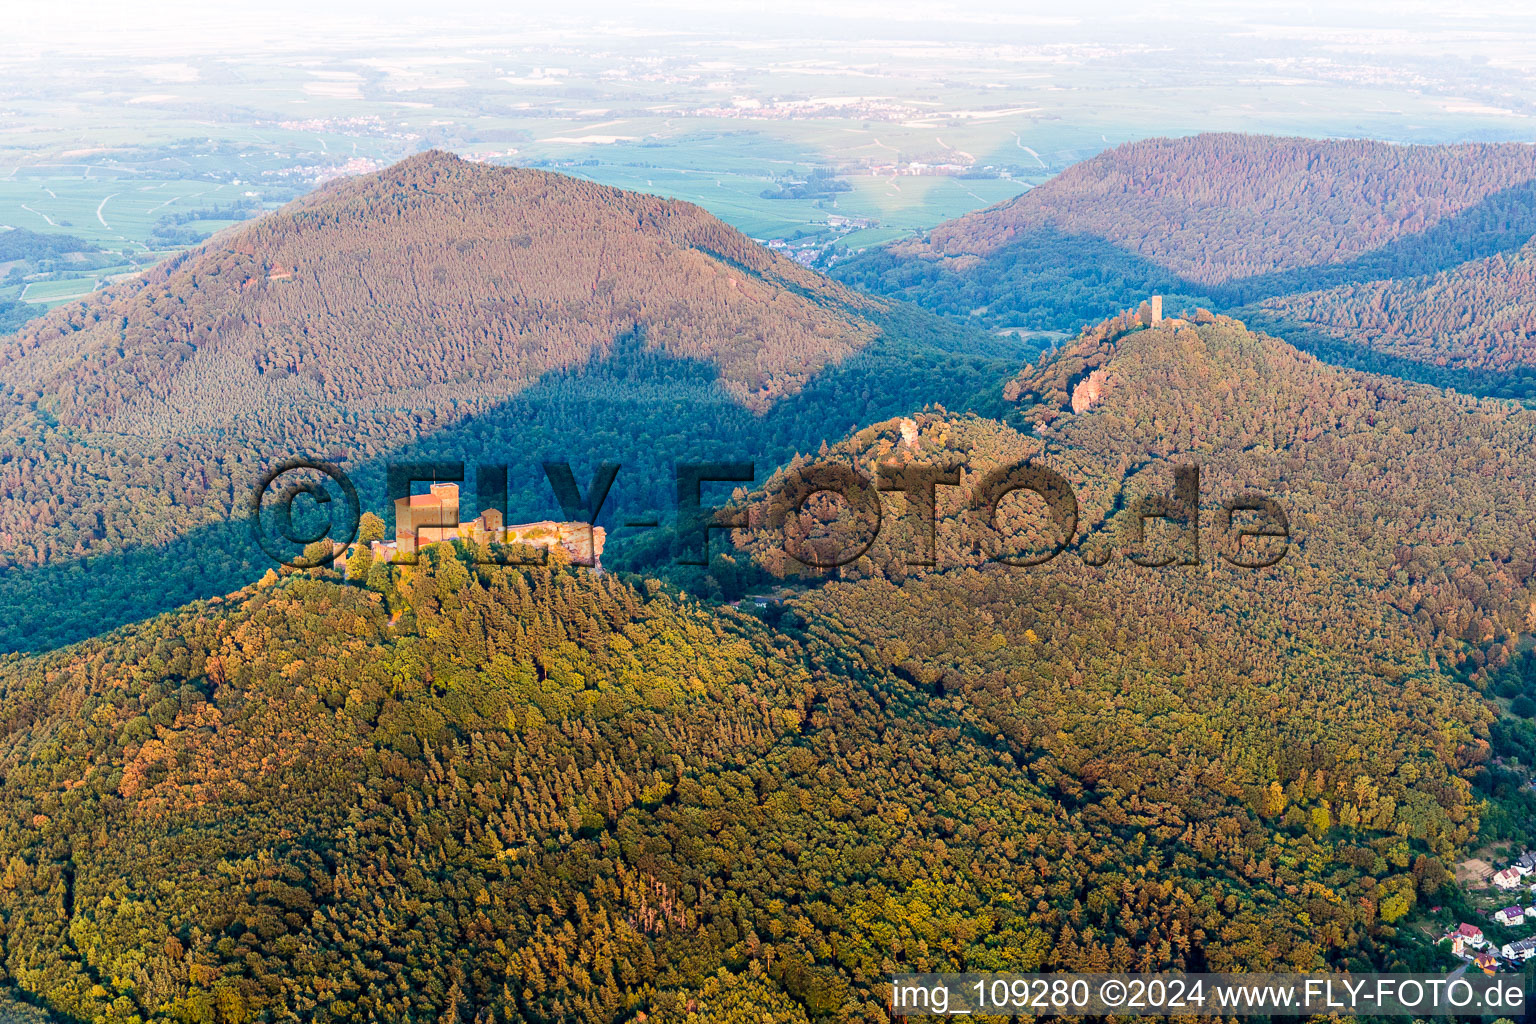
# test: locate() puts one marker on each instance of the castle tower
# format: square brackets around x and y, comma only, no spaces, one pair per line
[427,518]
[1157,311]
[448,499]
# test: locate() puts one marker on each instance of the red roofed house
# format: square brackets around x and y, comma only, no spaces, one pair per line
[1466,939]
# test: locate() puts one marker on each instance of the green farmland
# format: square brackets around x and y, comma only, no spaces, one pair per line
[116,214]
[901,205]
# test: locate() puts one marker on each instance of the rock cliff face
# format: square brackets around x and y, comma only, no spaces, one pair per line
[1090,392]
[582,542]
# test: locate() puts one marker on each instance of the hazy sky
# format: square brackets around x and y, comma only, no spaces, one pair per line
[82,26]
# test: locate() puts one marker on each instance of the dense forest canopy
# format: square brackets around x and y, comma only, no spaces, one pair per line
[437,310]
[458,793]
[437,280]
[461,792]
[1396,494]
[1408,260]
[1221,207]
[467,793]
[1478,317]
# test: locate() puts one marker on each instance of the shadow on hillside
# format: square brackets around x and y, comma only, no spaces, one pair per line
[1042,280]
[633,406]
[1049,280]
[1518,383]
[1503,222]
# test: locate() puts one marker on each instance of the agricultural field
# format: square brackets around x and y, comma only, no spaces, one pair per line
[120,220]
[117,213]
[900,204]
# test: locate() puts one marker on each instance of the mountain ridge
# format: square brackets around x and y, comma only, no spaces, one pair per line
[1193,200]
[518,272]
[1339,450]
[1237,223]
[436,311]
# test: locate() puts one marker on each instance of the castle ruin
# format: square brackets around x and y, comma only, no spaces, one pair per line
[433,518]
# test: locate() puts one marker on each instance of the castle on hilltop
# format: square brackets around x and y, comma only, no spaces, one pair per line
[433,518]
[1148,314]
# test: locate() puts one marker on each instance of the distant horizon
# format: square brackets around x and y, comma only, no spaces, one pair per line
[85,26]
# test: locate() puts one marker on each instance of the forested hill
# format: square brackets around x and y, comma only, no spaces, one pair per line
[436,310]
[1408,565]
[466,793]
[490,795]
[1219,208]
[462,794]
[1397,494]
[434,281]
[1472,326]
[1226,220]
